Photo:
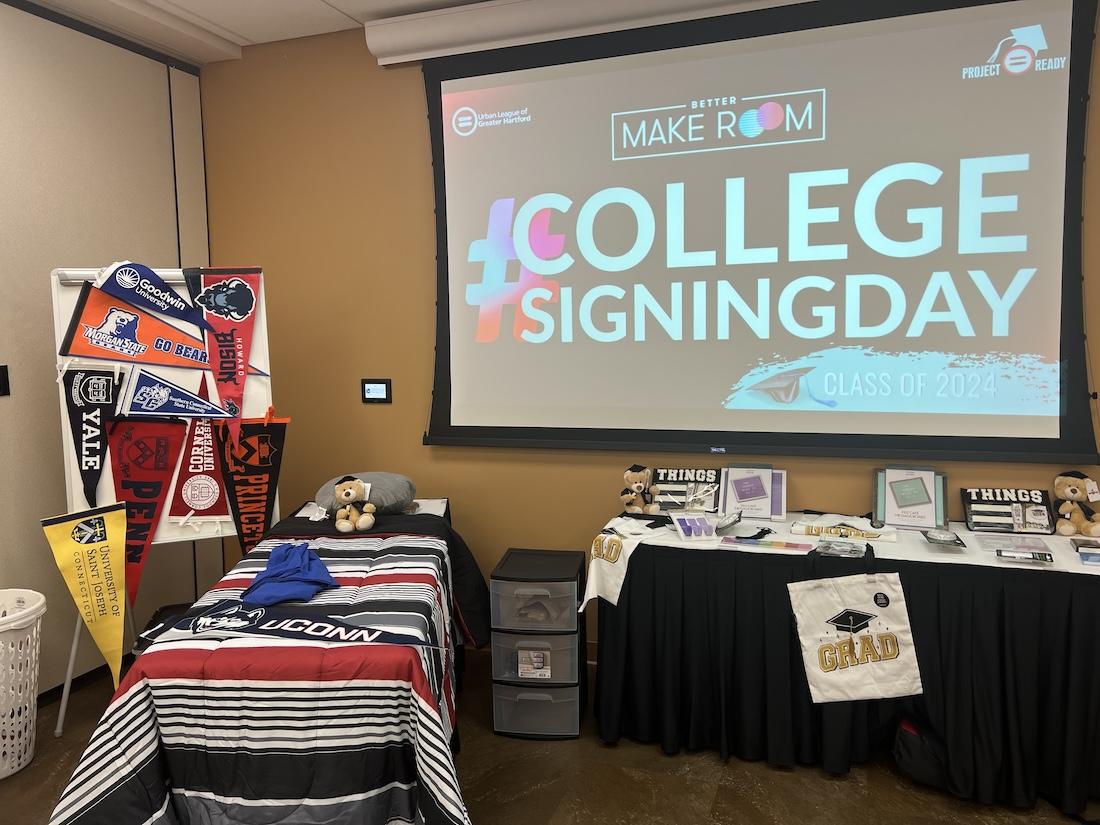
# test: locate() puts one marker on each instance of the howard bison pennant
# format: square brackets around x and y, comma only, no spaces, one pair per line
[229,299]
[143,457]
[153,396]
[251,472]
[90,400]
[89,550]
[107,329]
[200,491]
[139,285]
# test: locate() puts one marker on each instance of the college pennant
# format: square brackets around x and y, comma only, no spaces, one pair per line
[152,396]
[200,490]
[143,458]
[229,299]
[140,286]
[107,329]
[90,400]
[88,548]
[250,468]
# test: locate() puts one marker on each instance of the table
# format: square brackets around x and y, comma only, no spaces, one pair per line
[701,653]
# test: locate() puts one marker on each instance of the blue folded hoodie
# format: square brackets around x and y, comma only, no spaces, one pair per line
[293,573]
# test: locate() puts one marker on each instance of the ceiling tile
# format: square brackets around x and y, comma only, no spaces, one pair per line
[364,10]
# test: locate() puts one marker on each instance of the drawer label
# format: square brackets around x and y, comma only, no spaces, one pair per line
[534,664]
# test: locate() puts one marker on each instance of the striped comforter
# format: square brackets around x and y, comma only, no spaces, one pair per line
[338,710]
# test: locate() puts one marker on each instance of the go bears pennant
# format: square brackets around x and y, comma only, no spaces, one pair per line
[143,457]
[90,400]
[88,548]
[139,285]
[229,299]
[200,490]
[250,468]
[105,328]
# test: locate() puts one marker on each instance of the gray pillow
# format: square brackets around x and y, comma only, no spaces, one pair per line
[389,492]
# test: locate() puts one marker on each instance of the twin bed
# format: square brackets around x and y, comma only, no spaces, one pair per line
[337,710]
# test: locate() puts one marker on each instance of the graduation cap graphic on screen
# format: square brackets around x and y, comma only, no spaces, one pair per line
[851,620]
[783,386]
[1030,37]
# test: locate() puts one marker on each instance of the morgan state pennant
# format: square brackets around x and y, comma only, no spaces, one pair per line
[251,472]
[107,329]
[88,548]
[143,457]
[90,400]
[230,299]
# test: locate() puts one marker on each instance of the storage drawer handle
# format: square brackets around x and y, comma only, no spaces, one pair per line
[538,697]
[522,644]
[531,591]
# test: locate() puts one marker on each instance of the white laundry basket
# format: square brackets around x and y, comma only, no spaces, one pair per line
[20,635]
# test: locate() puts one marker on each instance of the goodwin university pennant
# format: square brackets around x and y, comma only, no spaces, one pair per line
[229,299]
[251,472]
[143,457]
[90,400]
[140,286]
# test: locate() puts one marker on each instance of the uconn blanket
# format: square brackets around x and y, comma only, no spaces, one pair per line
[337,710]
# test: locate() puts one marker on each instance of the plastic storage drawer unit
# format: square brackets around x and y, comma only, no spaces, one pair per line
[538,606]
[537,712]
[546,659]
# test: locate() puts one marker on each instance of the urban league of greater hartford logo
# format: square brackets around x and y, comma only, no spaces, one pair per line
[117,333]
[464,121]
[127,277]
[232,299]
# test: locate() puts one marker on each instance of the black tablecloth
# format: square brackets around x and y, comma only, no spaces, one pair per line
[702,652]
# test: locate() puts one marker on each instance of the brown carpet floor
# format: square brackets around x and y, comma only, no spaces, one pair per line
[517,782]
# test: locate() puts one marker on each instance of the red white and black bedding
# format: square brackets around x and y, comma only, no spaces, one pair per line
[339,710]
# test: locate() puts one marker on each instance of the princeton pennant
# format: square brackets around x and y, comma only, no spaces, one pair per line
[139,285]
[143,458]
[107,329]
[251,472]
[229,299]
[200,491]
[152,396]
[90,400]
[88,548]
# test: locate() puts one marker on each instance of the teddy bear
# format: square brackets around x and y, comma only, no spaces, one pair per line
[639,495]
[1071,489]
[350,492]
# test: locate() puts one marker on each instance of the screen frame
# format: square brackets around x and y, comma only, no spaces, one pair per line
[1076,443]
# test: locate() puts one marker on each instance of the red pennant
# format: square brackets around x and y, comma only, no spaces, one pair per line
[143,457]
[108,329]
[251,472]
[229,299]
[200,490]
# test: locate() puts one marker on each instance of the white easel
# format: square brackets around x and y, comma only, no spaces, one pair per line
[64,287]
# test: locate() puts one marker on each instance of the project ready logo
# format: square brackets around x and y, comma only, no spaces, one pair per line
[1017,54]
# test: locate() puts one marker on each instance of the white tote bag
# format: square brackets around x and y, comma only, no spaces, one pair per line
[855,637]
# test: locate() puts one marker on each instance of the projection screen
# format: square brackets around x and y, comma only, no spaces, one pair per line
[775,231]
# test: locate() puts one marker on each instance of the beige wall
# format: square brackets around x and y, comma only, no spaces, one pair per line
[86,165]
[319,168]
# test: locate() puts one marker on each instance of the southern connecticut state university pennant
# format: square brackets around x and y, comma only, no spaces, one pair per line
[88,548]
[143,457]
[107,329]
[229,299]
[250,468]
[90,400]
[140,286]
[152,396]
[200,491]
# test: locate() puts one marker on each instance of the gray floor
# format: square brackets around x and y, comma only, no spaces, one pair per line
[516,781]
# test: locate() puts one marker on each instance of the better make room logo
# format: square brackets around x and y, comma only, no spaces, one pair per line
[1017,54]
[714,124]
